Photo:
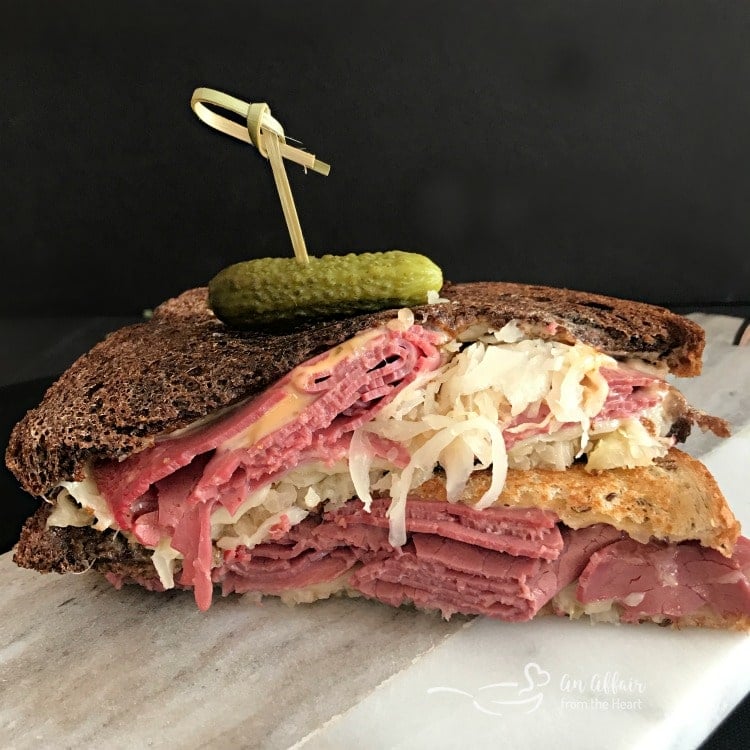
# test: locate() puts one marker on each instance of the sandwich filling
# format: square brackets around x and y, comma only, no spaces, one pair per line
[505,563]
[374,418]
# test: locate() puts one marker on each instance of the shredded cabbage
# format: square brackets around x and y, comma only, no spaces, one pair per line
[163,558]
[360,462]
[548,451]
[250,530]
[629,445]
[425,458]
[316,591]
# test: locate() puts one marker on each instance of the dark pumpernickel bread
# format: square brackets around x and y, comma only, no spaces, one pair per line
[155,377]
[75,550]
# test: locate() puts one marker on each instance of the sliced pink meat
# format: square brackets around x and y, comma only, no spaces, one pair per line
[432,571]
[438,573]
[533,419]
[517,531]
[435,570]
[274,576]
[630,393]
[311,534]
[670,580]
[623,378]
[364,537]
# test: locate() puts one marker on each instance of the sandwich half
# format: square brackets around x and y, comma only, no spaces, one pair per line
[506,450]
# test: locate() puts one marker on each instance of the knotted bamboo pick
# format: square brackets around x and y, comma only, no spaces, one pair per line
[265,133]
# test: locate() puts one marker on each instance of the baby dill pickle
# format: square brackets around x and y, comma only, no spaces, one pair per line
[266,291]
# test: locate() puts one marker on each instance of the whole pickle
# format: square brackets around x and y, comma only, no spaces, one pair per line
[267,291]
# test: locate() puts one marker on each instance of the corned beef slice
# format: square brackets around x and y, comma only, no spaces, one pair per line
[333,402]
[432,570]
[365,536]
[630,393]
[435,572]
[270,575]
[672,580]
[519,531]
[451,576]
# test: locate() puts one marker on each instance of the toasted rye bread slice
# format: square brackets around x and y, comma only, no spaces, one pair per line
[674,500]
[71,549]
[156,377]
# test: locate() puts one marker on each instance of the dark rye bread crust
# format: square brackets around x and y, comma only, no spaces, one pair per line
[156,377]
[71,549]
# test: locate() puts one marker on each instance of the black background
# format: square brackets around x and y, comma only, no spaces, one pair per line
[598,145]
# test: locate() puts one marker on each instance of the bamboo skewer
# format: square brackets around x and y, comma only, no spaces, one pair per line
[265,133]
[271,142]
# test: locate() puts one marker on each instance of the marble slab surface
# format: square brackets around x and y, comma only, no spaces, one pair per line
[82,665]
